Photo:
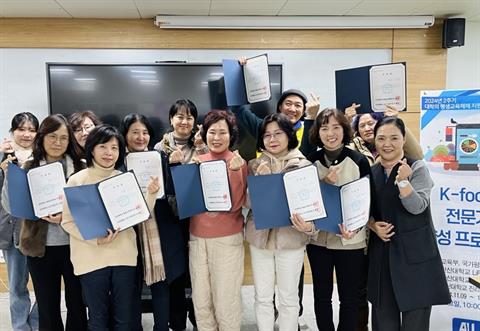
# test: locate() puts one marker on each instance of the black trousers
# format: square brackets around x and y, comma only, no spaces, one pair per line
[348,268]
[387,316]
[46,273]
[109,296]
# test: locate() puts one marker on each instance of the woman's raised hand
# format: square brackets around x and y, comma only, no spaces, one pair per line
[153,185]
[197,140]
[176,156]
[263,169]
[6,146]
[236,161]
[331,177]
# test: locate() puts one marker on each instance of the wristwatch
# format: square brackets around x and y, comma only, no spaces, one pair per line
[403,183]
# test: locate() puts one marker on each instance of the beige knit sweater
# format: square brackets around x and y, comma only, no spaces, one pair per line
[87,255]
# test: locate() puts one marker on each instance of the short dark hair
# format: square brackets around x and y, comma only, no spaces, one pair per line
[390,120]
[191,109]
[356,120]
[129,119]
[186,104]
[285,125]
[100,135]
[323,118]
[76,119]
[19,119]
[215,116]
[51,124]
[287,93]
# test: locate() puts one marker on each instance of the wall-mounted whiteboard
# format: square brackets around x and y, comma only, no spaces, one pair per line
[23,79]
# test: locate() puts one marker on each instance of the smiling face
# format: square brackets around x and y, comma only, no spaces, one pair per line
[275,140]
[292,106]
[331,134]
[218,137]
[106,154]
[389,142]
[182,123]
[55,144]
[24,134]
[366,124]
[137,137]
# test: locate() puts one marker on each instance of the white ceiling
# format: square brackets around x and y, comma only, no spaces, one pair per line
[135,9]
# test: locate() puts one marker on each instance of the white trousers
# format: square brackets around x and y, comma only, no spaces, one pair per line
[285,267]
[216,270]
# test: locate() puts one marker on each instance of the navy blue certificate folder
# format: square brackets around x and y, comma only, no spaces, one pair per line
[270,207]
[88,211]
[235,90]
[353,86]
[188,190]
[19,194]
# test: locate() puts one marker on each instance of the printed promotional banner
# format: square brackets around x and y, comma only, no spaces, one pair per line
[450,139]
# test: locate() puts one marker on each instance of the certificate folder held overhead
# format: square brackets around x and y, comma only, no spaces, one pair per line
[373,87]
[249,83]
[270,206]
[35,193]
[201,188]
[114,203]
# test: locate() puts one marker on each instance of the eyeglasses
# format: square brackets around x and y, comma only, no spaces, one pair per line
[53,138]
[86,128]
[275,135]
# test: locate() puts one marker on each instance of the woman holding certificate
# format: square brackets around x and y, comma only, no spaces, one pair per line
[23,130]
[277,254]
[137,132]
[44,242]
[216,238]
[178,146]
[329,252]
[107,265]
[406,275]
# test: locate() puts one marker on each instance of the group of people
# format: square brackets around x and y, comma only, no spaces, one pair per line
[393,261]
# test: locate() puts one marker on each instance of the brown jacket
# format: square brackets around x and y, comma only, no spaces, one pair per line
[33,234]
[284,237]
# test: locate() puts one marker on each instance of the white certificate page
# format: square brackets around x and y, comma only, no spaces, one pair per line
[123,201]
[303,193]
[46,189]
[257,79]
[215,186]
[146,165]
[387,87]
[355,198]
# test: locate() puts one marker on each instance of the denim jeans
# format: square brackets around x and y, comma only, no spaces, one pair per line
[109,295]
[22,316]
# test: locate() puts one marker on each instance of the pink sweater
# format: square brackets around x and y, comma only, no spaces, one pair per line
[225,223]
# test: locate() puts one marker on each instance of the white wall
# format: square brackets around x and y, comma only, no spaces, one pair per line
[463,63]
[23,80]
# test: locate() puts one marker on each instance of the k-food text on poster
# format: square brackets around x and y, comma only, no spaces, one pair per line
[450,139]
